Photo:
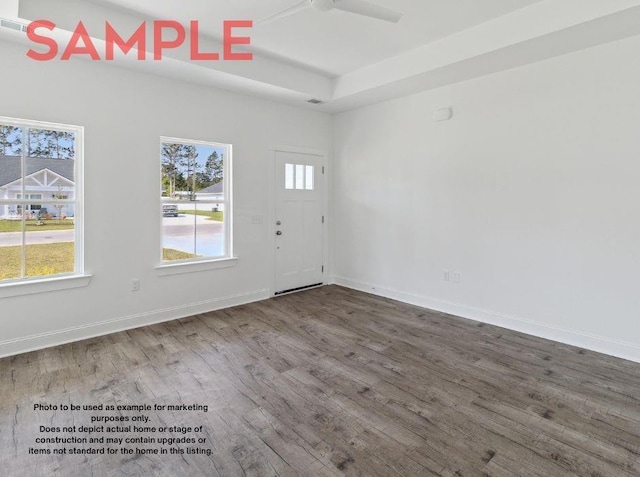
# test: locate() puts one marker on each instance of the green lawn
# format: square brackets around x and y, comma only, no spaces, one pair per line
[41,260]
[170,255]
[217,216]
[52,259]
[16,225]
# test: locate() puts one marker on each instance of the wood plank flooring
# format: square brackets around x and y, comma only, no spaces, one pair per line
[333,382]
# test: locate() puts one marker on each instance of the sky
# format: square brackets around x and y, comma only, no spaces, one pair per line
[17,134]
[203,151]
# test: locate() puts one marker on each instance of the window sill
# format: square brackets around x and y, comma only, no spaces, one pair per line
[193,267]
[44,285]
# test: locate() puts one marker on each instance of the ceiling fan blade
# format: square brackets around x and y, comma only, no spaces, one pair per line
[285,13]
[367,9]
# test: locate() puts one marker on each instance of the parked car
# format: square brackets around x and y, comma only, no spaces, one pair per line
[169,210]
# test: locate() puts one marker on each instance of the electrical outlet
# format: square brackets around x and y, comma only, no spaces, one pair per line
[457,277]
[135,285]
[446,276]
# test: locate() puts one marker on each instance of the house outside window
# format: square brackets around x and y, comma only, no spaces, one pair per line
[40,224]
[196,200]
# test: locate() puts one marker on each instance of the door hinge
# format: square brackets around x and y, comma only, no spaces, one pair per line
[323,219]
[322,268]
[323,169]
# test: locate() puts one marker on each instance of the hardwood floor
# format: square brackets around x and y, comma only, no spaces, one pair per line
[330,382]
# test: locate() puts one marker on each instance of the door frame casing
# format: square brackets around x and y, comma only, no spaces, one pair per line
[273,152]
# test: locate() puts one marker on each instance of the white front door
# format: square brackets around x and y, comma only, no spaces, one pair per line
[299,221]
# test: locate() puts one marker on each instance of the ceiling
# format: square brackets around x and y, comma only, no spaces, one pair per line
[335,42]
[346,60]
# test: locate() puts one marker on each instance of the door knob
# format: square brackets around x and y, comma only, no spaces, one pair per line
[279,232]
[278,223]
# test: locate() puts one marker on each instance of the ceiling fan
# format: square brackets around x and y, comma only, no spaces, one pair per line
[359,7]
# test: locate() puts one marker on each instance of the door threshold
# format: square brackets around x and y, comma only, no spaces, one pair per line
[293,290]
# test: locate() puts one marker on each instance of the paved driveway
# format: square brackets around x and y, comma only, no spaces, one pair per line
[178,234]
[9,239]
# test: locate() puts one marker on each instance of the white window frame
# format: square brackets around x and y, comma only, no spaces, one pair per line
[46,283]
[202,263]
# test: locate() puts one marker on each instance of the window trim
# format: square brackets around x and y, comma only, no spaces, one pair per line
[32,286]
[11,285]
[180,267]
[202,263]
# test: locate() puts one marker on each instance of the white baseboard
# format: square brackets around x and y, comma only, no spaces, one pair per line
[78,333]
[600,344]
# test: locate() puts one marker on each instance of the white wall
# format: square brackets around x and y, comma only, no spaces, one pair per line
[531,192]
[124,114]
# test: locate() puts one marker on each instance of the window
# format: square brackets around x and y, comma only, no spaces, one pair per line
[40,200]
[298,177]
[195,196]
[31,197]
